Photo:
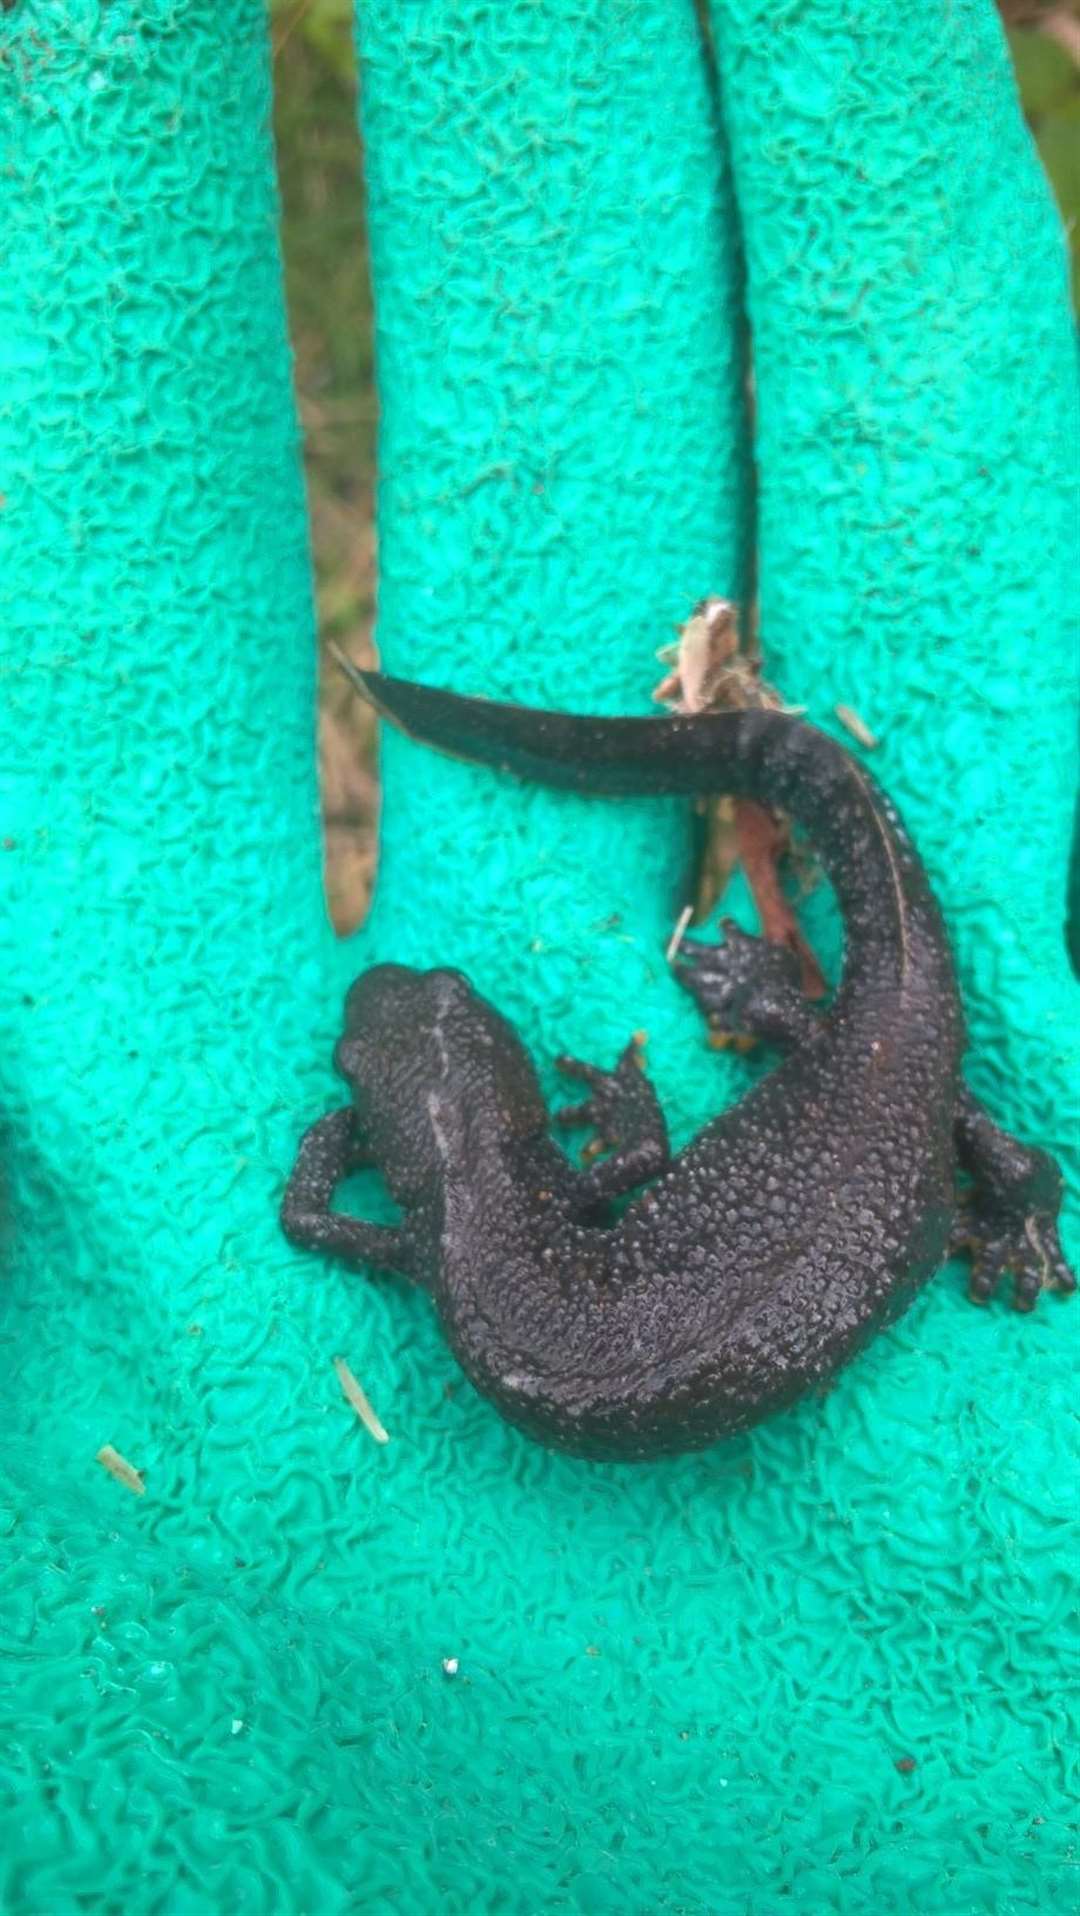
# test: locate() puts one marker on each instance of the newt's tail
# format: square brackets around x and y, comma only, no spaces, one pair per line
[889,913]
[611,757]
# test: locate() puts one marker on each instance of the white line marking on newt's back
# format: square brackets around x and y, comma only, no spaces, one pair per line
[434,1107]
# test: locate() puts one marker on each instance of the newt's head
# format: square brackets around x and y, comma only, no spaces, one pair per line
[436,1073]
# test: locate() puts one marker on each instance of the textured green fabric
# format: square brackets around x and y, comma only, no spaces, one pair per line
[685,1687]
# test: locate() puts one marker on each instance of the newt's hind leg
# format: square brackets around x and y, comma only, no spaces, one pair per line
[748,987]
[1007,1220]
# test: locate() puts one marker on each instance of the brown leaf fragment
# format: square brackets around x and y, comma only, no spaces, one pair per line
[762,842]
[711,672]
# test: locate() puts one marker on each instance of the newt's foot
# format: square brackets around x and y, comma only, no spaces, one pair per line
[747,986]
[1007,1221]
[619,1100]
[629,1124]
[997,1242]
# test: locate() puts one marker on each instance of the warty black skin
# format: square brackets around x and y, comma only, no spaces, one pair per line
[796,1224]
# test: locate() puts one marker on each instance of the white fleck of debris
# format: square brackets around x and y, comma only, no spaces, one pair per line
[450,1666]
[856,726]
[677,935]
[360,1402]
[237,1725]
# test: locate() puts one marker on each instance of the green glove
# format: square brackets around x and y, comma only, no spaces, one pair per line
[698,1686]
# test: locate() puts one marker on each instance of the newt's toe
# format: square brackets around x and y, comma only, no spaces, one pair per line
[1026,1246]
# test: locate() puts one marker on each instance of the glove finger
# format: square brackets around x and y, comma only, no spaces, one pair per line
[916,385]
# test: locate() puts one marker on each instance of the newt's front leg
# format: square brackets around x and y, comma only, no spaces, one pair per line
[629,1123]
[329,1150]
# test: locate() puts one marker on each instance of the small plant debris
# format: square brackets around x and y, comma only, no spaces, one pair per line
[360,1401]
[857,726]
[118,1467]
